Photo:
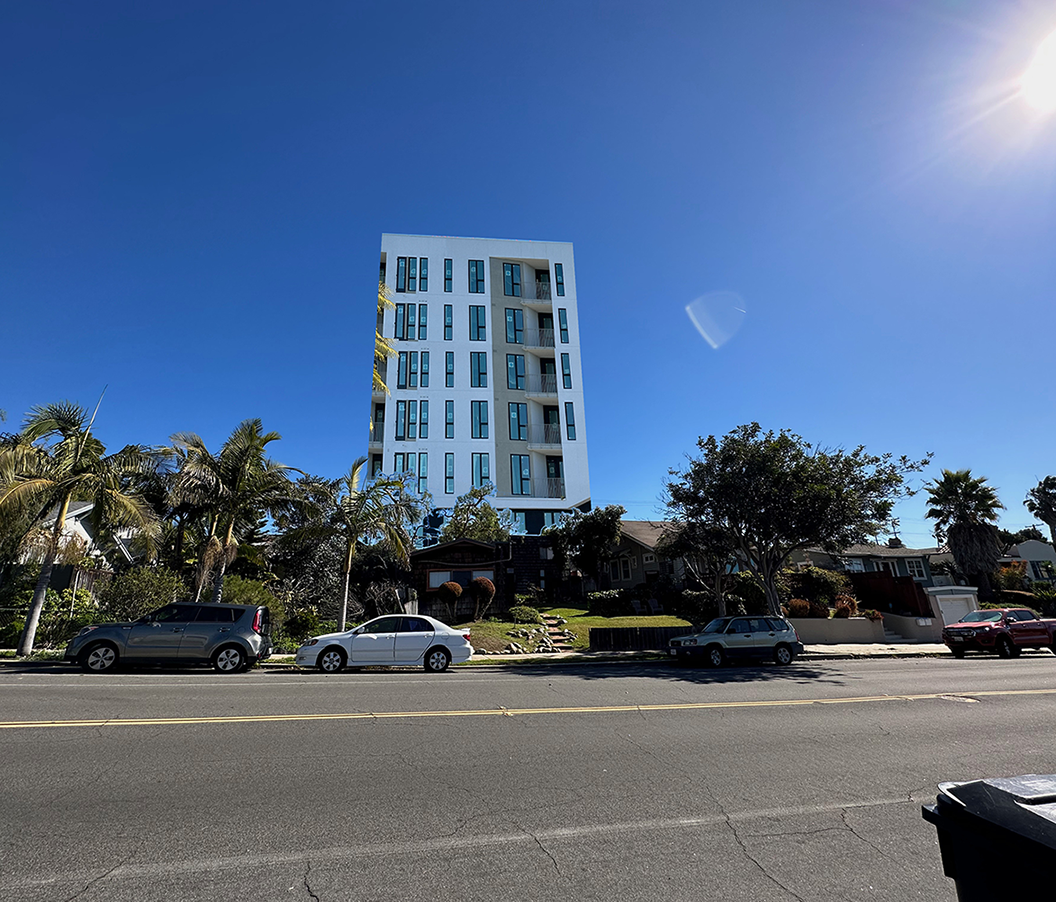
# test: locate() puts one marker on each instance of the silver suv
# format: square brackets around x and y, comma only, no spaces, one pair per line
[740,637]
[231,637]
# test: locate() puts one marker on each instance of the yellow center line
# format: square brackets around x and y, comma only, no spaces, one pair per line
[511,712]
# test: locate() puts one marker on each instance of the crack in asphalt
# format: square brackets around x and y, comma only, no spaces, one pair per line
[859,837]
[547,853]
[307,885]
[103,876]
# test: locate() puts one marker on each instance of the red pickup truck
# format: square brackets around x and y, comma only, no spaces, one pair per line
[1003,630]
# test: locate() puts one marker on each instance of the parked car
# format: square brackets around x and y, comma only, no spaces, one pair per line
[740,637]
[1006,631]
[231,637]
[394,640]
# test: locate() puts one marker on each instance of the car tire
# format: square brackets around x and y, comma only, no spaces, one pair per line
[1005,648]
[714,656]
[783,654]
[957,652]
[331,659]
[229,659]
[99,658]
[437,659]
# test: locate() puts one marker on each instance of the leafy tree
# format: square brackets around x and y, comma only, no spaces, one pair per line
[773,493]
[1041,502]
[67,463]
[1008,539]
[140,590]
[482,591]
[587,540]
[706,551]
[964,509]
[474,518]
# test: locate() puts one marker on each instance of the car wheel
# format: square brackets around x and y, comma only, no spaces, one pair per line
[957,652]
[783,654]
[437,659]
[99,658]
[331,660]
[230,659]
[1005,648]
[714,656]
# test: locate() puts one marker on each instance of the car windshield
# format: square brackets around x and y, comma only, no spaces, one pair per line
[716,626]
[982,617]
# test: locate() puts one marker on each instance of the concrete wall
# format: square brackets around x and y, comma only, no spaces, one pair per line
[916,629]
[838,630]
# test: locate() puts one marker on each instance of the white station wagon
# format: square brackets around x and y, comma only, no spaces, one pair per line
[394,640]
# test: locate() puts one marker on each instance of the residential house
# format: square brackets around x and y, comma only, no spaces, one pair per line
[635,559]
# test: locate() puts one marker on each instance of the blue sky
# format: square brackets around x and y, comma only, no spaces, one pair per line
[193,197]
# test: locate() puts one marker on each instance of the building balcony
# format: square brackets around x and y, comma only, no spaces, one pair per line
[377,434]
[541,384]
[548,487]
[538,338]
[544,434]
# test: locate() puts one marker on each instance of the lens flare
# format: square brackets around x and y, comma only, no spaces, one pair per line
[1038,84]
[717,316]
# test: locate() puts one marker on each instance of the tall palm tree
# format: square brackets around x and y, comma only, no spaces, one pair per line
[964,509]
[1041,502]
[383,347]
[233,487]
[57,460]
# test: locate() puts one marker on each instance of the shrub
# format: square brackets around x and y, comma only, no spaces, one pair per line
[608,603]
[744,594]
[302,625]
[697,607]
[815,584]
[819,609]
[140,590]
[843,611]
[798,607]
[522,613]
[849,602]
[238,590]
[1012,576]
[482,591]
[872,615]
[449,592]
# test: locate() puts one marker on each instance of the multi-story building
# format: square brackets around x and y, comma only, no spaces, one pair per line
[487,383]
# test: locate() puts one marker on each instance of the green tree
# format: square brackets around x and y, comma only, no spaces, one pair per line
[773,494]
[69,463]
[964,509]
[474,518]
[1041,502]
[707,553]
[140,590]
[587,541]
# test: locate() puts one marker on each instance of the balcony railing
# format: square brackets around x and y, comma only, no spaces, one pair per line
[544,434]
[541,383]
[548,487]
[538,338]
[377,434]
[542,291]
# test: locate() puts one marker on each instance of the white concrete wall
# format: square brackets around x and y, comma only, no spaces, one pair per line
[837,630]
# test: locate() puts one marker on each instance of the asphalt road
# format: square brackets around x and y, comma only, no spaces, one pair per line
[636,781]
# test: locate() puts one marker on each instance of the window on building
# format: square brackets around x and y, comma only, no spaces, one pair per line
[423,419]
[401,273]
[515,371]
[511,280]
[559,276]
[449,419]
[478,369]
[399,462]
[519,422]
[854,565]
[410,323]
[479,415]
[521,474]
[449,322]
[423,472]
[551,518]
[476,277]
[375,466]
[448,272]
[412,374]
[412,420]
[423,274]
[425,369]
[401,421]
[481,470]
[514,326]
[518,526]
[449,474]
[423,311]
[570,421]
[566,371]
[401,370]
[449,371]
[401,321]
[477,321]
[916,568]
[412,269]
[625,568]
[562,321]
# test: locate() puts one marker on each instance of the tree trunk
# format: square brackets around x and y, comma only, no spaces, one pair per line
[29,632]
[348,570]
[218,585]
[720,596]
[773,599]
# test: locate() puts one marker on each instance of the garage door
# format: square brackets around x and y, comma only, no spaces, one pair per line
[953,609]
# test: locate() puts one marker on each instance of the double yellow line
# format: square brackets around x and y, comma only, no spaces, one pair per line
[514,712]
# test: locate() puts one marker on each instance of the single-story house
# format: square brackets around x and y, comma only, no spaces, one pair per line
[635,559]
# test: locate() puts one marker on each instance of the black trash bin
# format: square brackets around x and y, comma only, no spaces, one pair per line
[998,836]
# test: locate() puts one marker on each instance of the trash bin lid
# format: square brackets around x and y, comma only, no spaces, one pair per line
[1024,805]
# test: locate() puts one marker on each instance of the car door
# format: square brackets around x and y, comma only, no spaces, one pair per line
[1027,629]
[200,638]
[764,636]
[158,635]
[739,639]
[413,639]
[375,643]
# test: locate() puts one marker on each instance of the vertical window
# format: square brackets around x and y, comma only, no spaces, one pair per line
[448,268]
[478,369]
[449,474]
[423,472]
[481,470]
[399,463]
[423,419]
[412,270]
[412,420]
[410,323]
[401,421]
[477,320]
[521,474]
[449,419]
[423,274]
[562,321]
[570,421]
[401,320]
[375,466]
[401,273]
[511,280]
[423,315]
[559,274]
[515,371]
[514,326]
[449,374]
[479,410]
[449,320]
[401,370]
[425,369]
[412,376]
[476,277]
[566,371]
[519,422]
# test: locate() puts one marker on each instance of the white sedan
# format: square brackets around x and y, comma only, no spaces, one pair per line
[395,640]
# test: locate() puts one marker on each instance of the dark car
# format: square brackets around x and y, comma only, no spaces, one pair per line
[231,637]
[771,638]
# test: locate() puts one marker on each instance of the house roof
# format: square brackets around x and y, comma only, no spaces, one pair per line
[886,551]
[644,532]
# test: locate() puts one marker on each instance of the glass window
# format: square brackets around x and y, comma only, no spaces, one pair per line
[449,373]
[559,275]
[401,370]
[423,472]
[562,321]
[515,371]
[481,470]
[401,273]
[423,420]
[412,420]
[521,474]
[449,322]
[410,323]
[412,375]
[376,466]
[566,371]
[477,320]
[519,422]
[423,274]
[423,311]
[448,269]
[412,269]
[479,412]
[449,474]
[425,369]
[514,326]
[401,321]
[415,625]
[449,419]
[399,463]
[382,625]
[478,369]
[511,280]
[570,421]
[915,567]
[476,277]
[740,625]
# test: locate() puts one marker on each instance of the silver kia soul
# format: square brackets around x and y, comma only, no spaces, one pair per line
[231,637]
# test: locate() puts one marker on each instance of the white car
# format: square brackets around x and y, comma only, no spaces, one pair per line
[394,640]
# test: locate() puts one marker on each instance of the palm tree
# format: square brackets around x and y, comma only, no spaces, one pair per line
[1041,502]
[232,487]
[383,348]
[56,460]
[965,509]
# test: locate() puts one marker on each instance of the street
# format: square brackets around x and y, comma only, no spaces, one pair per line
[632,780]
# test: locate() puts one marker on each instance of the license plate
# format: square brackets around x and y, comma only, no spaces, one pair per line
[956,638]
[672,651]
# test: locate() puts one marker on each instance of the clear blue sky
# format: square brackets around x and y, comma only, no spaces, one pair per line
[192,198]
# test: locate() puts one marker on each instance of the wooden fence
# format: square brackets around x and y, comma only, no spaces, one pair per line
[634,638]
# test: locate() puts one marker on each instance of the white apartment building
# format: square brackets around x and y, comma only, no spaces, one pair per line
[487,385]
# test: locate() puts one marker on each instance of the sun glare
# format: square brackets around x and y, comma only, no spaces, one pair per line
[1039,81]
